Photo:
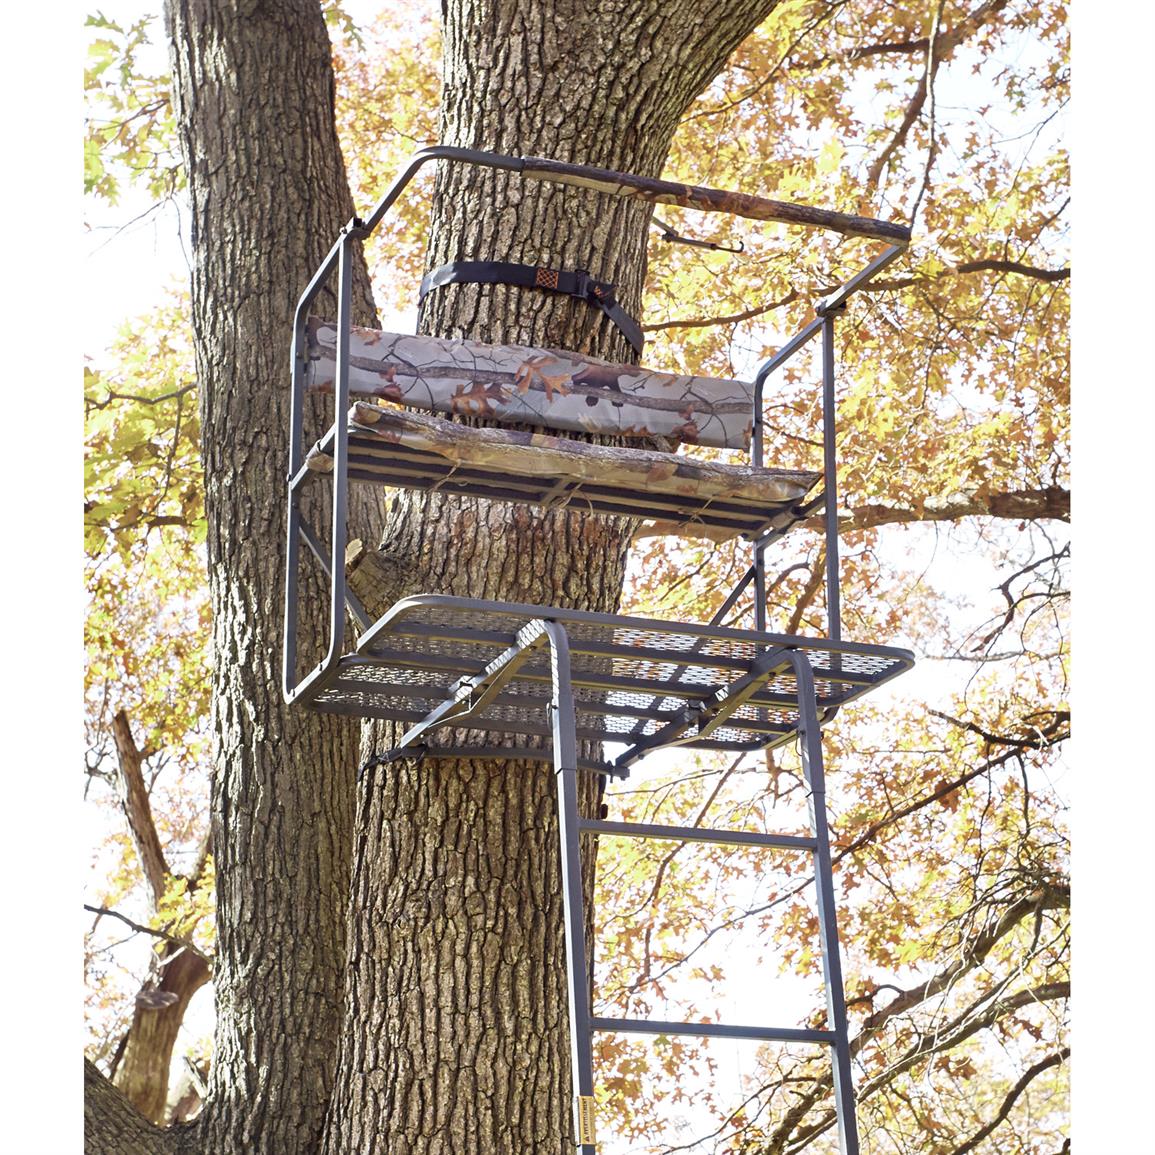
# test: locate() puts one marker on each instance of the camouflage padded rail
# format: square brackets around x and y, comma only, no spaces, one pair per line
[546,387]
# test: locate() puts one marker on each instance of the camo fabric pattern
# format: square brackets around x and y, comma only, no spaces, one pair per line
[545,387]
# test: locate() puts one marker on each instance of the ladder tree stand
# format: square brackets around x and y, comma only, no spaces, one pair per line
[465,677]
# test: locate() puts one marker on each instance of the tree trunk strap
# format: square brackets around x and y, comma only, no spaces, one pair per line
[575,284]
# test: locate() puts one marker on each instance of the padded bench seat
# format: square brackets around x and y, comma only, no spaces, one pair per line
[674,493]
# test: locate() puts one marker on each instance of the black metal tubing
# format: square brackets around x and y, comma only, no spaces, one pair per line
[713,1031]
[471,693]
[695,834]
[830,473]
[292,690]
[810,748]
[565,770]
[824,309]
[589,617]
[362,618]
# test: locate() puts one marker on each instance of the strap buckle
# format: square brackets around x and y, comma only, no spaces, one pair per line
[592,290]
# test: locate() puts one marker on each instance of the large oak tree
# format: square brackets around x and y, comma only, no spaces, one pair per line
[388,966]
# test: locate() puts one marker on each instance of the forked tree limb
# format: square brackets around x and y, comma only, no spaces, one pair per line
[927,1044]
[943,46]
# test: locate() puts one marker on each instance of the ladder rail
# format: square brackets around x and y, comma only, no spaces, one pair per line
[571,826]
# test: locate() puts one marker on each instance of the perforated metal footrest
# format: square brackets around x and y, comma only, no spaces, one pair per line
[639,683]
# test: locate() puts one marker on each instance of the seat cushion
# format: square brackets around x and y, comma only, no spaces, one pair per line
[515,384]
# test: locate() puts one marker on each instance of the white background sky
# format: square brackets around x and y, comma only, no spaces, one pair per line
[48,293]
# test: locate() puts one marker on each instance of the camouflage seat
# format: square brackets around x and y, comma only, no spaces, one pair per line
[671,492]
[548,389]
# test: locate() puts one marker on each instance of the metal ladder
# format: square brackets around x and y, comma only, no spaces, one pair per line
[572,826]
[420,664]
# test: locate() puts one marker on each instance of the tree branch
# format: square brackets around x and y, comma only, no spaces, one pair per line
[1029,1075]
[92,403]
[929,1043]
[1044,898]
[730,319]
[957,34]
[982,265]
[138,812]
[1053,502]
[942,47]
[1050,736]
[175,940]
[936,1041]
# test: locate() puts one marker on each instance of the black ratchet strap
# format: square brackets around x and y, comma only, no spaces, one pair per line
[576,284]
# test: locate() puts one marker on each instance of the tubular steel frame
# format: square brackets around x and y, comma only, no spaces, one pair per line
[482,687]
[338,259]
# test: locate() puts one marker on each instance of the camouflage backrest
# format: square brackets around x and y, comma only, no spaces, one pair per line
[546,387]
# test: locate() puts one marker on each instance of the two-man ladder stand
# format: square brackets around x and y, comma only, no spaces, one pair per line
[482,678]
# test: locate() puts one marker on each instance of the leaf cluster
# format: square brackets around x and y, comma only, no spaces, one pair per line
[130,132]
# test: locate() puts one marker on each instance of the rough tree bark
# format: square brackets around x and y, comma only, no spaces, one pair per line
[113,1126]
[454,1036]
[141,1068]
[456,1023]
[253,88]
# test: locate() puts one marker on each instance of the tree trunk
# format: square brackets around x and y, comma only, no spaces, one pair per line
[254,92]
[113,1126]
[177,973]
[142,1073]
[456,1031]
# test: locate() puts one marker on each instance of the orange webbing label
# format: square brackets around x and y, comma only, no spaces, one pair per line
[585,1119]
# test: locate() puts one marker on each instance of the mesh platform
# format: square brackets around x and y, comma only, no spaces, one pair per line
[638,683]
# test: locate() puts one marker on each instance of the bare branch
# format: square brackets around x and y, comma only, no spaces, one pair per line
[728,319]
[1044,898]
[984,265]
[139,400]
[930,1043]
[138,812]
[936,1041]
[939,48]
[960,32]
[1050,736]
[176,940]
[1029,1075]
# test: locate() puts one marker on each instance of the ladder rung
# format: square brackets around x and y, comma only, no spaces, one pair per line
[696,834]
[713,1030]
